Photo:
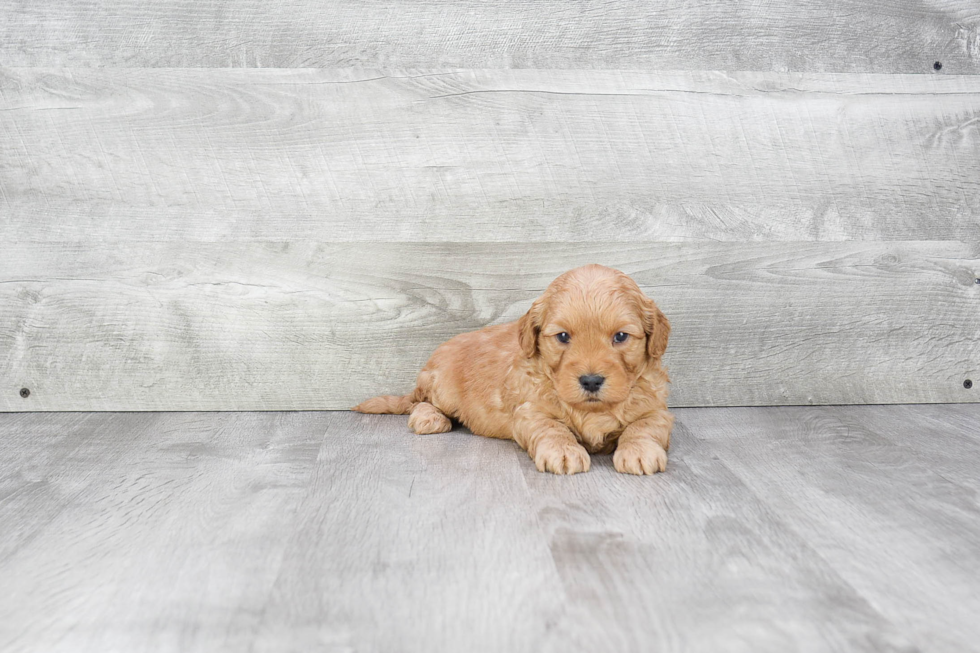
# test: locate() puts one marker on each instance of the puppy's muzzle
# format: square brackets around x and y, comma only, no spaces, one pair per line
[591,382]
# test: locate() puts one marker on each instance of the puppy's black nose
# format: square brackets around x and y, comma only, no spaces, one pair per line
[591,382]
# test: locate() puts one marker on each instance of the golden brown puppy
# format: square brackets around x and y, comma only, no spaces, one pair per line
[579,373]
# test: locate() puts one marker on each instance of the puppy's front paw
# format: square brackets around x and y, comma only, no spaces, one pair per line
[559,456]
[640,457]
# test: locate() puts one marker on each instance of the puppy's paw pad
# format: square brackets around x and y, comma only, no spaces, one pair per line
[560,457]
[427,422]
[640,457]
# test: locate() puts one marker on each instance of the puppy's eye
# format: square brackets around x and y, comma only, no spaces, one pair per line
[563,337]
[620,337]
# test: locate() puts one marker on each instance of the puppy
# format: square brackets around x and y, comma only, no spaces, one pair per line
[580,373]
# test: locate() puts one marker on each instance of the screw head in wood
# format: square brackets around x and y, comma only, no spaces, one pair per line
[25,393]
[968,384]
[938,65]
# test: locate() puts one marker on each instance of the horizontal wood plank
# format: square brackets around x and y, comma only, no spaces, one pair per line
[799,35]
[285,326]
[487,156]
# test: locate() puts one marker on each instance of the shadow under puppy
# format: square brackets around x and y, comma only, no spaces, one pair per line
[580,373]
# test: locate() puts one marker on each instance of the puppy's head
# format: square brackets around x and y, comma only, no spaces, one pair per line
[596,332]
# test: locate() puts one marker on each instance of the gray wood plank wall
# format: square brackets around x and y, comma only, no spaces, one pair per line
[216,206]
[796,35]
[153,154]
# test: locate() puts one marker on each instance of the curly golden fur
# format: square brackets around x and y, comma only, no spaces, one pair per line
[580,373]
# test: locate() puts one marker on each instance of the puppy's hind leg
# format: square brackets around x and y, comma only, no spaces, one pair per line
[426,419]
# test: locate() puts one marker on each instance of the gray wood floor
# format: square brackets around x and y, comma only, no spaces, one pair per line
[774,529]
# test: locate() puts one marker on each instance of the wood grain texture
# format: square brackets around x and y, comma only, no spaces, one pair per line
[391,535]
[45,464]
[225,326]
[177,529]
[772,530]
[865,494]
[842,36]
[647,561]
[945,441]
[956,418]
[487,156]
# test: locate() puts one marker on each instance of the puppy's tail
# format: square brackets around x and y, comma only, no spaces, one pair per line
[387,404]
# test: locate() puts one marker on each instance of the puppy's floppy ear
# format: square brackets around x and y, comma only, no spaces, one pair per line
[529,326]
[657,327]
